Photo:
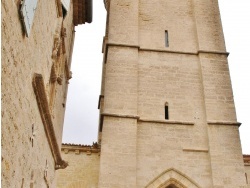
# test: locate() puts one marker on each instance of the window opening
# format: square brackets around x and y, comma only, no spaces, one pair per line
[166,39]
[64,11]
[166,111]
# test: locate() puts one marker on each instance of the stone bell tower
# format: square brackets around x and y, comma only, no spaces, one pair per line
[167,111]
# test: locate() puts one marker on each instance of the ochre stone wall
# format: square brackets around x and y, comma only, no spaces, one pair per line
[26,156]
[82,172]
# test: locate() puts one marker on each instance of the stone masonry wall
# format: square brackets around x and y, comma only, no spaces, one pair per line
[26,156]
[83,169]
[200,139]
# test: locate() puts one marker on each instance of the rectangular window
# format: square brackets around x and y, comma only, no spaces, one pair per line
[166,39]
[166,112]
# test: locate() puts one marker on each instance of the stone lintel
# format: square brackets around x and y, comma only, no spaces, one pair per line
[43,105]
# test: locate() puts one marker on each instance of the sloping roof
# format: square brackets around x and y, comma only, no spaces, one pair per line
[82,11]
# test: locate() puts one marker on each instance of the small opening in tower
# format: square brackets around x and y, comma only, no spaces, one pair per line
[64,11]
[166,39]
[166,111]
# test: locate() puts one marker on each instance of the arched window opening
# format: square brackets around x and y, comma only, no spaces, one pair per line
[166,112]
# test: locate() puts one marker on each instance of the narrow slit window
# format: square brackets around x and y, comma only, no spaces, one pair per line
[166,39]
[166,111]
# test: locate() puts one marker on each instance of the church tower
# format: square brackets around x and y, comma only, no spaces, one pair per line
[167,114]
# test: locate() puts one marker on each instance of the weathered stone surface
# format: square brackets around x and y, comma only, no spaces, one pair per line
[27,158]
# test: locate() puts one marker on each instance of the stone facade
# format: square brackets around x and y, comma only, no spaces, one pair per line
[167,59]
[167,115]
[83,169]
[35,74]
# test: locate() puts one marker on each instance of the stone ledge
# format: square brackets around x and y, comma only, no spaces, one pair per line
[43,106]
[228,123]
[120,115]
[168,51]
[213,52]
[167,122]
[148,120]
[195,150]
[107,45]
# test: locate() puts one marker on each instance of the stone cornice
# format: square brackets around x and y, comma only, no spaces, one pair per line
[77,148]
[43,105]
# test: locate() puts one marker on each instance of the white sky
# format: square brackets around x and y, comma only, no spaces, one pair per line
[81,119]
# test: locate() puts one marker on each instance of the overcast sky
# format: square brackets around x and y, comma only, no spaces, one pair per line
[81,119]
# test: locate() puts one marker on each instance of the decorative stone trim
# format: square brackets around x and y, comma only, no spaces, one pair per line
[43,105]
[195,150]
[59,8]
[67,71]
[228,123]
[167,122]
[56,47]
